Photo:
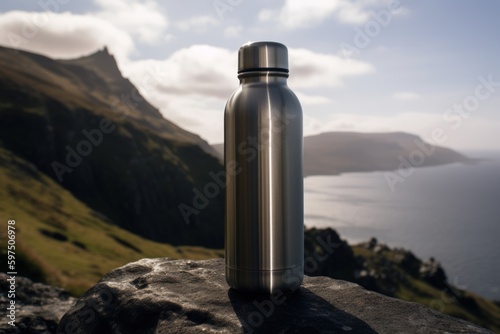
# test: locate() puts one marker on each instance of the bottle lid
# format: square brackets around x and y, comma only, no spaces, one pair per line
[263,56]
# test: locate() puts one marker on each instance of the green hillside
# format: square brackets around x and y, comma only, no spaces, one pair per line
[85,126]
[397,273]
[62,241]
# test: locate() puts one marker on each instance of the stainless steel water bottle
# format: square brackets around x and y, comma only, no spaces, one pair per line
[264,213]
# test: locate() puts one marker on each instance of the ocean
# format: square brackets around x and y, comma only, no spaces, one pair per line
[450,212]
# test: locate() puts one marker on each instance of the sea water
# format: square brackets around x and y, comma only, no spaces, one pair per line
[451,213]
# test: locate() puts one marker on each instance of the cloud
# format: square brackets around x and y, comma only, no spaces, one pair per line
[197,24]
[311,69]
[144,20]
[233,31]
[192,85]
[311,100]
[62,35]
[297,14]
[405,96]
[201,69]
[211,71]
[117,24]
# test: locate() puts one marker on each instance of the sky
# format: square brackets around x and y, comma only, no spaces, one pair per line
[425,67]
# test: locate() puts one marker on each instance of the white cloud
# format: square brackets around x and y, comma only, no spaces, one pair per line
[192,85]
[311,69]
[311,100]
[405,96]
[66,35]
[233,31]
[143,20]
[62,35]
[197,24]
[301,14]
[200,114]
[201,69]
[266,15]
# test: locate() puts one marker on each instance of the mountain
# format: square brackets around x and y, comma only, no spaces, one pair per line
[340,152]
[333,153]
[83,125]
[59,239]
[110,83]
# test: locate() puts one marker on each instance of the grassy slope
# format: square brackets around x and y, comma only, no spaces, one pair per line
[92,246]
[470,307]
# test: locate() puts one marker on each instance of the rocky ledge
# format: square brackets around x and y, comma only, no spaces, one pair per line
[181,296]
[37,309]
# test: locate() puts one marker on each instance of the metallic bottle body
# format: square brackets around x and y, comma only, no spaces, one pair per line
[264,221]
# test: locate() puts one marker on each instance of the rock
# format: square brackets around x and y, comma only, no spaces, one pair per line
[432,272]
[325,254]
[408,261]
[370,244]
[39,307]
[181,296]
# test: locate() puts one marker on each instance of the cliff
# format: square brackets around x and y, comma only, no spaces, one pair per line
[86,127]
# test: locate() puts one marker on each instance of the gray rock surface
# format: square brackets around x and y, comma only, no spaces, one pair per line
[182,296]
[39,307]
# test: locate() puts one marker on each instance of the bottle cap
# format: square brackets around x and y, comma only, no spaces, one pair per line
[263,56]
